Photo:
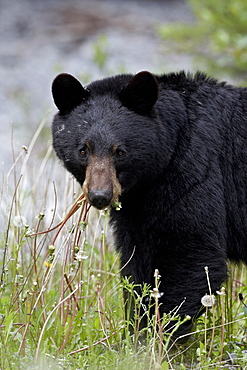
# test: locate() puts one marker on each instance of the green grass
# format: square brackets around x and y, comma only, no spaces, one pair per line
[61,304]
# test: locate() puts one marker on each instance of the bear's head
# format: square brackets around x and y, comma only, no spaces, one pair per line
[107,135]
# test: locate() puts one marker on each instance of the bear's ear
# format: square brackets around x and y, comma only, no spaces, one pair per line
[67,92]
[141,93]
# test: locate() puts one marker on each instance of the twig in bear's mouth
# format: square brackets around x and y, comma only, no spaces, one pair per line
[77,204]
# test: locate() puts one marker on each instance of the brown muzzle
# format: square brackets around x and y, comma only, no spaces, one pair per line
[101,186]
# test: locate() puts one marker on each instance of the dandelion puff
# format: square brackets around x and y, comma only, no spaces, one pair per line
[19,221]
[208,300]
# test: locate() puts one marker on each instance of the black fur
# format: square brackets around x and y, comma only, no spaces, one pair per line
[183,174]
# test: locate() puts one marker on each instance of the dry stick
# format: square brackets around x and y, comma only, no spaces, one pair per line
[7,231]
[100,307]
[35,252]
[213,313]
[32,143]
[15,159]
[157,319]
[42,168]
[73,209]
[49,229]
[78,230]
[46,321]
[55,204]
[83,213]
[77,204]
[71,290]
[22,344]
[64,313]
[160,333]
[76,306]
[63,317]
[69,328]
[46,231]
[83,216]
[102,262]
[223,328]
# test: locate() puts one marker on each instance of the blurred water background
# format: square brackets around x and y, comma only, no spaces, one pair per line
[88,38]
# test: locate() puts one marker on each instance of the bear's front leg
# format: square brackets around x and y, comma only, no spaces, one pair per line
[182,283]
[184,279]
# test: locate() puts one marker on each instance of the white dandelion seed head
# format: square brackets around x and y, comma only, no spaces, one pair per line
[208,300]
[19,221]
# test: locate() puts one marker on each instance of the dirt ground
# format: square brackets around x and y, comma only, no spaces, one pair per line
[41,38]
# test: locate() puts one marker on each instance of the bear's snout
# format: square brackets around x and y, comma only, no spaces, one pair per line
[101,186]
[100,198]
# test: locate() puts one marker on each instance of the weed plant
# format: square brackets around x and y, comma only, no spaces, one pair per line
[217,37]
[61,304]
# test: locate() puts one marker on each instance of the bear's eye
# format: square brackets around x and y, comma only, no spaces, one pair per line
[83,151]
[120,152]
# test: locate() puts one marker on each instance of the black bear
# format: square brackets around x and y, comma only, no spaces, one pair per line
[173,150]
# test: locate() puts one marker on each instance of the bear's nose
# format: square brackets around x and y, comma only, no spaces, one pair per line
[100,198]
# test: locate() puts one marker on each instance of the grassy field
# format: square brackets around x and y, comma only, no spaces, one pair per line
[61,304]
